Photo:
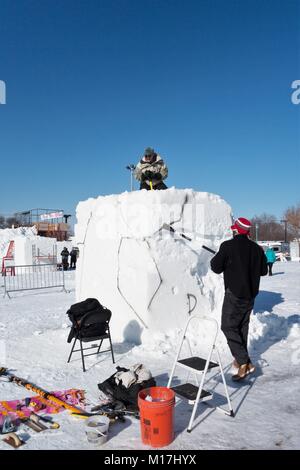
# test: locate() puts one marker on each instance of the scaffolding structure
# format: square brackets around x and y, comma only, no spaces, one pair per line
[48,222]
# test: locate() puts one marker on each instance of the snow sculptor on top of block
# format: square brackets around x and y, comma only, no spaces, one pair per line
[141,270]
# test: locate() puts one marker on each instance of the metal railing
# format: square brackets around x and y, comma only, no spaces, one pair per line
[32,277]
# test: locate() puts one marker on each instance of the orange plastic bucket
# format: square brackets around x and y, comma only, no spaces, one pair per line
[156,406]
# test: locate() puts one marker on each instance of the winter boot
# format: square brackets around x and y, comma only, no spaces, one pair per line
[242,372]
[251,368]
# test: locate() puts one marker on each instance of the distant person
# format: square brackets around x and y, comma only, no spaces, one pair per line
[243,262]
[271,258]
[151,171]
[282,257]
[73,256]
[65,258]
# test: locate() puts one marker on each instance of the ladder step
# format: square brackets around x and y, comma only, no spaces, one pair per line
[189,391]
[196,363]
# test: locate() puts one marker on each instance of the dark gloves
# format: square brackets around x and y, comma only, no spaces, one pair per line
[149,175]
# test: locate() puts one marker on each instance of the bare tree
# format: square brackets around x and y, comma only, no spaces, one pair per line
[2,221]
[292,215]
[12,221]
[267,227]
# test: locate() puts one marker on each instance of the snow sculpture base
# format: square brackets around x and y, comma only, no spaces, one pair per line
[136,267]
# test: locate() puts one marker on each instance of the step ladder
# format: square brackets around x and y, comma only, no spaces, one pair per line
[199,367]
[8,260]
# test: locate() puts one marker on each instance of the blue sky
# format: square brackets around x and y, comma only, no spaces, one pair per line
[207,83]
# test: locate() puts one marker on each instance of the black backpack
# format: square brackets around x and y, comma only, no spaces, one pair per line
[96,325]
[128,396]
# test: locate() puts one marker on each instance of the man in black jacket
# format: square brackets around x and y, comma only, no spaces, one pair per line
[73,255]
[243,262]
[64,258]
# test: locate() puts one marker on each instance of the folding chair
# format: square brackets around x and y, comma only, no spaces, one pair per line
[199,367]
[99,330]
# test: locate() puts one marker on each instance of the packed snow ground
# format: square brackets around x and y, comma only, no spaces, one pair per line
[33,332]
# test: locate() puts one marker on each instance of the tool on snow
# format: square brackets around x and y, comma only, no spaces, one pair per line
[53,424]
[75,411]
[13,440]
[33,423]
[116,407]
[114,413]
[32,420]
[8,425]
[30,386]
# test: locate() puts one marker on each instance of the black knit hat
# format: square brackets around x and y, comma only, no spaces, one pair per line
[149,152]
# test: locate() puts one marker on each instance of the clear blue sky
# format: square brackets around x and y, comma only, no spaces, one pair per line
[207,83]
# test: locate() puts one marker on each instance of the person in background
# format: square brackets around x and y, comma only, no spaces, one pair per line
[151,171]
[243,262]
[271,258]
[65,258]
[73,255]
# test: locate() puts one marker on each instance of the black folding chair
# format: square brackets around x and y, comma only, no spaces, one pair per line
[91,328]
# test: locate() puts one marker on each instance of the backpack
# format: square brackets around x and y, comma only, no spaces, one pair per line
[97,324]
[128,396]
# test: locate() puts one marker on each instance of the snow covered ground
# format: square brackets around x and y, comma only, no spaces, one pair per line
[33,332]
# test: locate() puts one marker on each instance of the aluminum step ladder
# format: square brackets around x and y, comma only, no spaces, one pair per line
[199,367]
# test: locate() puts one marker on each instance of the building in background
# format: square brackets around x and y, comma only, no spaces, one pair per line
[48,222]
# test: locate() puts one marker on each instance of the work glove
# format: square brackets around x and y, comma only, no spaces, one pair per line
[156,176]
[148,175]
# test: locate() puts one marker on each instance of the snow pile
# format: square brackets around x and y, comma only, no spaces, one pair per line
[143,272]
[8,234]
[270,327]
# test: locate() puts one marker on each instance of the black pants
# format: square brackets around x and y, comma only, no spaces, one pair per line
[73,262]
[270,266]
[160,185]
[65,263]
[235,325]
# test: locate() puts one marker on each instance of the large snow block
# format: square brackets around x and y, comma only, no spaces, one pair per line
[147,275]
